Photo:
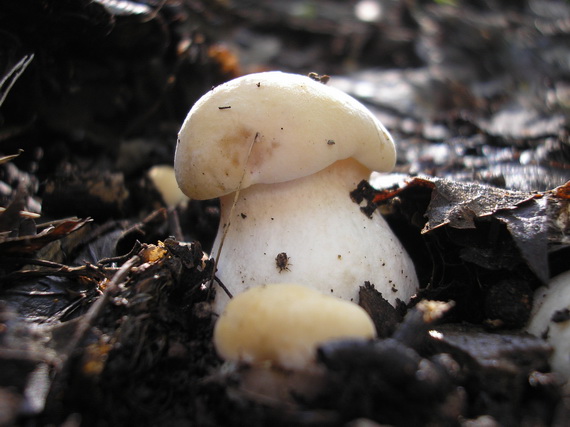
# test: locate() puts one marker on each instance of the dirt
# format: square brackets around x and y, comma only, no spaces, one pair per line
[104,314]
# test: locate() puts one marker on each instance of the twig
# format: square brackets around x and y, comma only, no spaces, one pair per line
[236,196]
[174,224]
[39,262]
[96,309]
[13,75]
[54,269]
[62,363]
[221,284]
[121,258]
[155,12]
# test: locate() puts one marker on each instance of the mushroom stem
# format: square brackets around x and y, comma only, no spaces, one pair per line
[331,245]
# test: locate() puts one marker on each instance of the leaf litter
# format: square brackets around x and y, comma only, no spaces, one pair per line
[105,319]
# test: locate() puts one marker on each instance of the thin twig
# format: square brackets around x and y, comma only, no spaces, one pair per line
[121,258]
[97,308]
[13,75]
[39,262]
[174,224]
[221,285]
[55,270]
[231,215]
[84,325]
[155,12]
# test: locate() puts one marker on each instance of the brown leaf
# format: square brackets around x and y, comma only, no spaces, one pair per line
[537,222]
[459,203]
[29,244]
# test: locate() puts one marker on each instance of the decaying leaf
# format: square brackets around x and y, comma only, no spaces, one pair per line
[470,93]
[459,204]
[538,223]
[48,233]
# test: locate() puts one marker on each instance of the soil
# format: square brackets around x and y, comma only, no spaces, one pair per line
[104,291]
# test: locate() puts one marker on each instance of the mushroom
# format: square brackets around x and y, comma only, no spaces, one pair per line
[282,325]
[162,176]
[283,152]
[550,318]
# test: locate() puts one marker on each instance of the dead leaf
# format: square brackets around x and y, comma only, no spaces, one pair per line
[26,245]
[459,203]
[538,223]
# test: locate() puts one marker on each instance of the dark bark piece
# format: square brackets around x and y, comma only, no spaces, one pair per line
[385,317]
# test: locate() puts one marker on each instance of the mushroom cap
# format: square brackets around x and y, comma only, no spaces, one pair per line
[283,324]
[273,127]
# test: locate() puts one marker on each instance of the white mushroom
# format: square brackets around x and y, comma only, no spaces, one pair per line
[293,149]
[551,318]
[281,325]
[162,176]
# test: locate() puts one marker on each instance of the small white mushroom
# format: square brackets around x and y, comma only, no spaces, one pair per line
[294,148]
[162,176]
[550,318]
[281,325]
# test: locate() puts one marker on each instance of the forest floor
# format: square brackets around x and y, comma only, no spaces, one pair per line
[104,314]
